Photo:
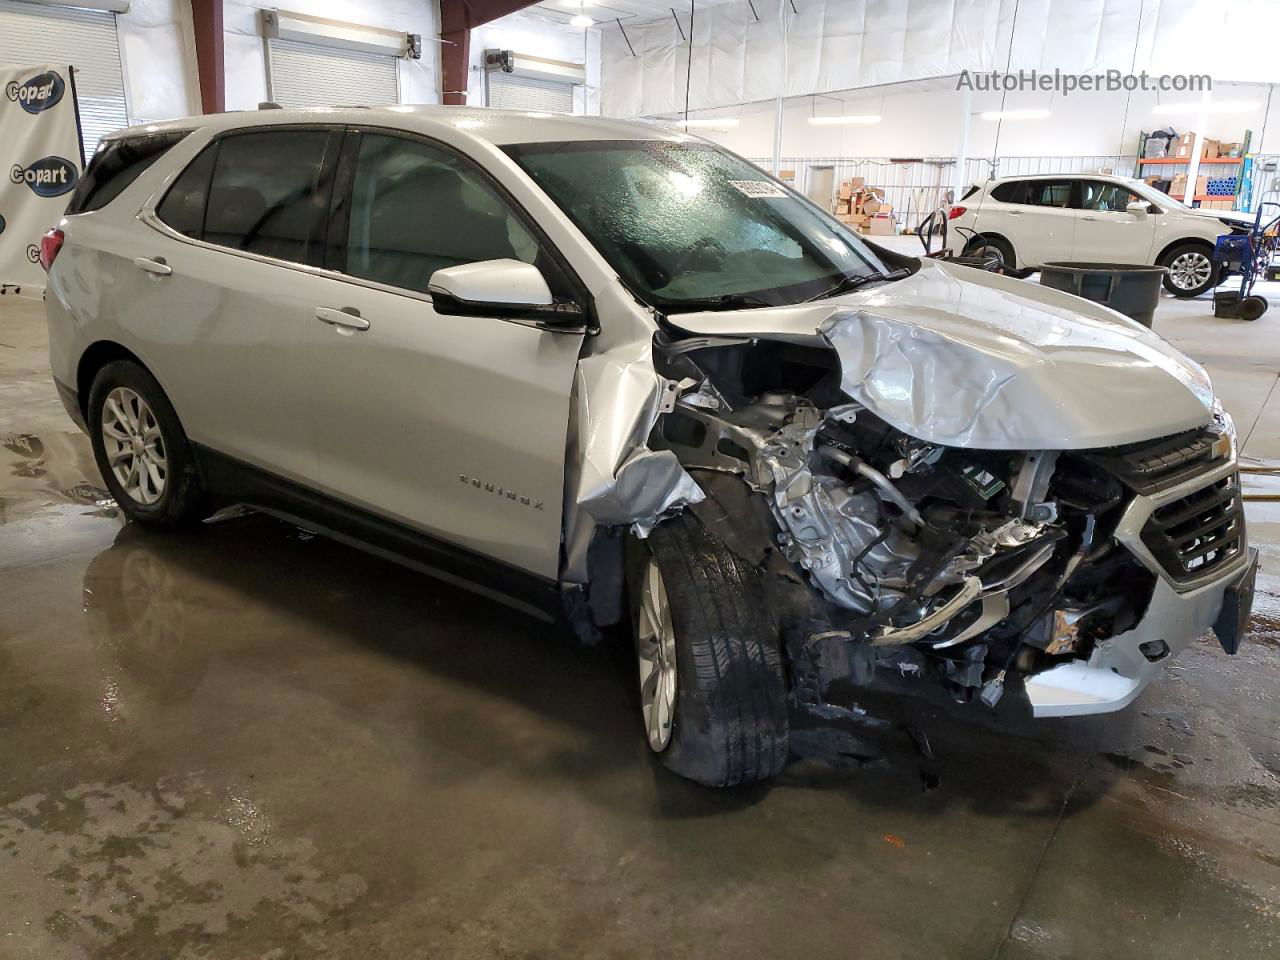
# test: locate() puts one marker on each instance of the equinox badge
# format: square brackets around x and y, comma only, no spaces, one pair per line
[488,487]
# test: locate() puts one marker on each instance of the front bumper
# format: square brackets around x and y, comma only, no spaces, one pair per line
[1179,613]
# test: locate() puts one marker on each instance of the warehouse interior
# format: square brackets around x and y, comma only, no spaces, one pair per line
[260,740]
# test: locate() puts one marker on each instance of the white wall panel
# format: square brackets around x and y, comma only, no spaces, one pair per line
[835,45]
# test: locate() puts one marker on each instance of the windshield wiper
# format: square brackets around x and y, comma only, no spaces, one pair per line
[850,284]
[725,301]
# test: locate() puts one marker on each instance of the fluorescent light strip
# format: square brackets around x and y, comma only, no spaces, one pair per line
[1015,115]
[709,122]
[1224,106]
[862,119]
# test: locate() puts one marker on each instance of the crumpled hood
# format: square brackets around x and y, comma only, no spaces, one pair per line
[961,357]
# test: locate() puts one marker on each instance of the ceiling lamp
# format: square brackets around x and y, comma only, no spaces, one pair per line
[865,118]
[580,19]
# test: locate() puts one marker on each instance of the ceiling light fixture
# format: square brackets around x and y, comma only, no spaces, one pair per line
[1221,106]
[580,19]
[1015,115]
[865,118]
[710,122]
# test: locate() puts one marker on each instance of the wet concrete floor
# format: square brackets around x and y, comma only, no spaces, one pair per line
[255,743]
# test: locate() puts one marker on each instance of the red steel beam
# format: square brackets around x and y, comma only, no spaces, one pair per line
[206,15]
[457,19]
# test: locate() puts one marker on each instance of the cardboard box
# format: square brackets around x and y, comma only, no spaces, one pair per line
[846,190]
[857,182]
[787,176]
[1179,185]
[1183,145]
[842,206]
[871,206]
[882,226]
[1228,149]
[1209,150]
[1217,204]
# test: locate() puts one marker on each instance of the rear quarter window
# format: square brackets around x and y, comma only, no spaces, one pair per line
[116,165]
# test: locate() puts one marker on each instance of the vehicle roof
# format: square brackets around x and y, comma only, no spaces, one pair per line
[1064,176]
[494,126]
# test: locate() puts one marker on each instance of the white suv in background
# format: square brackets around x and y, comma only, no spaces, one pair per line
[1028,221]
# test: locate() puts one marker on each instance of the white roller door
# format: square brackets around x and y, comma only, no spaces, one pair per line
[84,39]
[524,93]
[310,75]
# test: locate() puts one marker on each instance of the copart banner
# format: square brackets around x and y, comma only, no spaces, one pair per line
[40,164]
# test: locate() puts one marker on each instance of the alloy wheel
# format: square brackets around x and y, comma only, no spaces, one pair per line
[134,445]
[1190,270]
[656,650]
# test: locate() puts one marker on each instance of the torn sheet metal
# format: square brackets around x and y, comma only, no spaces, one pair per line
[965,358]
[619,479]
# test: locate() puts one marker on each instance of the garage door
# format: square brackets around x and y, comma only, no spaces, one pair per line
[522,93]
[85,39]
[309,75]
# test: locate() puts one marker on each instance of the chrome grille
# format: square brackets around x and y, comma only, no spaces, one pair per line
[1194,535]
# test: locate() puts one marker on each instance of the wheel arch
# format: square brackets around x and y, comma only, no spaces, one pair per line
[994,235]
[1183,241]
[96,356]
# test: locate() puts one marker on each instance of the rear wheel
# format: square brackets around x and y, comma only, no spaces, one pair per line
[141,449]
[1001,250]
[1191,270]
[713,695]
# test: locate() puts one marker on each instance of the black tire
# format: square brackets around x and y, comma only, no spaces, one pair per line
[1252,307]
[1001,250]
[1190,249]
[182,503]
[730,718]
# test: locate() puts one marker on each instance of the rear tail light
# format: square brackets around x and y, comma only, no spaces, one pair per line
[50,244]
[957,211]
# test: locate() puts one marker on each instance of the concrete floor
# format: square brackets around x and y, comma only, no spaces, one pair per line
[252,742]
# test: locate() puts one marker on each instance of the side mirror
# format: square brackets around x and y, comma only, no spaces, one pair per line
[510,283]
[1139,208]
[505,289]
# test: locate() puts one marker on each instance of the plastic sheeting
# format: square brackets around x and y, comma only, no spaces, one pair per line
[846,44]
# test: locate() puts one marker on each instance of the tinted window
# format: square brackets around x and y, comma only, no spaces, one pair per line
[970,192]
[116,165]
[1015,191]
[1108,197]
[416,209]
[1049,193]
[183,206]
[265,194]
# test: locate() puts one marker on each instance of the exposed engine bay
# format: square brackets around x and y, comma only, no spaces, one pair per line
[889,558]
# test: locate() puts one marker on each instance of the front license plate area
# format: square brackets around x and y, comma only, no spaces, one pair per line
[1237,604]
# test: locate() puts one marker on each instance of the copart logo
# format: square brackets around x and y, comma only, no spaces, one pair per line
[38,93]
[47,177]
[33,253]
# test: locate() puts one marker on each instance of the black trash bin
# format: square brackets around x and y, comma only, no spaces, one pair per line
[1130,288]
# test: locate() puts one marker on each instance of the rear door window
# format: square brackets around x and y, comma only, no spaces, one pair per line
[116,165]
[266,195]
[1049,193]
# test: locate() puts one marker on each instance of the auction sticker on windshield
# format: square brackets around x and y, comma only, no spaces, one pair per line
[758,188]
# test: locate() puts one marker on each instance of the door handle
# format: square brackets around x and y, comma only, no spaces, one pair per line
[347,317]
[156,267]
[1015,213]
[1091,219]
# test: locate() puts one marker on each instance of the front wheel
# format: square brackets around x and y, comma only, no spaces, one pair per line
[713,695]
[1191,270]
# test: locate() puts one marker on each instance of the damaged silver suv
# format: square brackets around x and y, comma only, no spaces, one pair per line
[608,373]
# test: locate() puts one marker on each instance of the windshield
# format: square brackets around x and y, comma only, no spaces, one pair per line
[688,225]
